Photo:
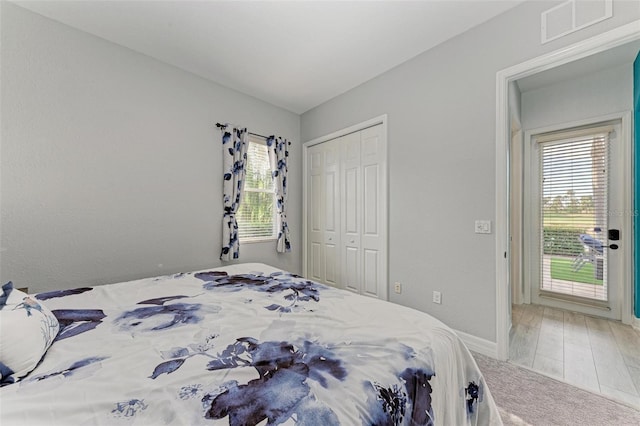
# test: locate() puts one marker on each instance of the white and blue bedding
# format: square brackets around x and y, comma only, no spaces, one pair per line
[244,345]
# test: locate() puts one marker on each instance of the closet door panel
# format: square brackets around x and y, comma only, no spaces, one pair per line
[351,206]
[371,267]
[351,277]
[316,262]
[373,241]
[315,219]
[331,211]
[371,202]
[332,272]
[331,217]
[331,230]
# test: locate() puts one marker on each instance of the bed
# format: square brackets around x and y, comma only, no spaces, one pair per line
[242,344]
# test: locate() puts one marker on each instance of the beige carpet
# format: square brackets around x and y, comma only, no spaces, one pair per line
[528,398]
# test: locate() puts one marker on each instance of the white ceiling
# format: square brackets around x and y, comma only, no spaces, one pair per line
[293,54]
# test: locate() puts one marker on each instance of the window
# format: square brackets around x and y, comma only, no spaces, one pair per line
[256,217]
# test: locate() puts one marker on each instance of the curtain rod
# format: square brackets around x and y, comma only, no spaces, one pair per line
[218,125]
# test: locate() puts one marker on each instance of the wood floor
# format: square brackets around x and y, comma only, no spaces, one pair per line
[591,353]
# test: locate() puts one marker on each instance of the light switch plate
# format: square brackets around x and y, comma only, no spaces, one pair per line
[483,226]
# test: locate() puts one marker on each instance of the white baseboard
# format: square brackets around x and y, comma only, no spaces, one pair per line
[635,323]
[477,344]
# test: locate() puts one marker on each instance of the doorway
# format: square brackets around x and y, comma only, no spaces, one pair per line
[604,42]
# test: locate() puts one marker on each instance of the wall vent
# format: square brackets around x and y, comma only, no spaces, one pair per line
[573,15]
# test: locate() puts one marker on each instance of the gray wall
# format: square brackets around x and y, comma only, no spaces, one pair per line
[441,111]
[605,92]
[110,161]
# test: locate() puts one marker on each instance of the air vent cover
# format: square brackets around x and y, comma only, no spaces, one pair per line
[573,15]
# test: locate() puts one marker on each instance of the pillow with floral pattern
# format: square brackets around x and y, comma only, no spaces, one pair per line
[27,329]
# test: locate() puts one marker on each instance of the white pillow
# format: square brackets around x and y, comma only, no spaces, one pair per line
[27,329]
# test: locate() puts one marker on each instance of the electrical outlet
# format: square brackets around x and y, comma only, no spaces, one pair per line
[437,297]
[397,287]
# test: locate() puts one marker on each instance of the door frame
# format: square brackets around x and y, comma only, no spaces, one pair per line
[624,289]
[379,120]
[516,208]
[602,42]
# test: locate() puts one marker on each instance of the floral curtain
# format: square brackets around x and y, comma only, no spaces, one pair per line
[278,154]
[235,141]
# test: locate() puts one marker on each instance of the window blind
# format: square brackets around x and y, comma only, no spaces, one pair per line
[573,211]
[256,216]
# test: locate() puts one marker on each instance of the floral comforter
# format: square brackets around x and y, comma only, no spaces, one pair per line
[243,345]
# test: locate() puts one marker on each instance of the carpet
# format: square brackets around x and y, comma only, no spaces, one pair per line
[525,397]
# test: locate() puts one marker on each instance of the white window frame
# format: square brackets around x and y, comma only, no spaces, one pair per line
[274,235]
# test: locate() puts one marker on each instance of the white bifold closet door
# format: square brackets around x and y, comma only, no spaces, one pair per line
[347,212]
[323,224]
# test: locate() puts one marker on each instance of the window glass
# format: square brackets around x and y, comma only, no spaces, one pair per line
[256,216]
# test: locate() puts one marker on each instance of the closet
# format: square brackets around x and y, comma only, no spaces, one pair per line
[346,212]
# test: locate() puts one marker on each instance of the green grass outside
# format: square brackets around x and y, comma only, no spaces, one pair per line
[583,221]
[561,269]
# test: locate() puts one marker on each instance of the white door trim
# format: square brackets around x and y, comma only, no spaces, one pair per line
[588,47]
[382,119]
